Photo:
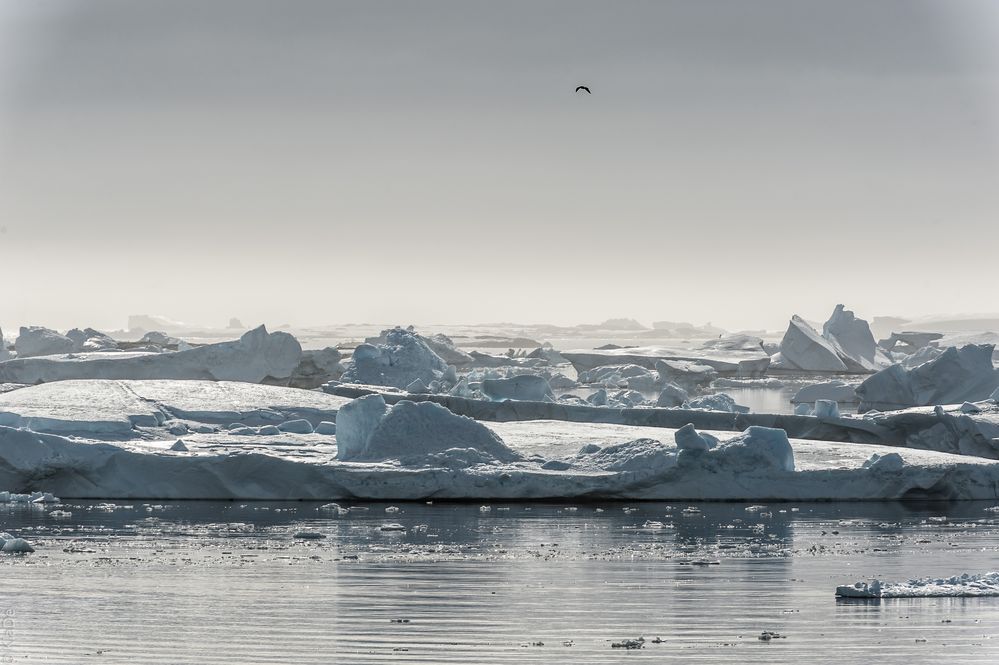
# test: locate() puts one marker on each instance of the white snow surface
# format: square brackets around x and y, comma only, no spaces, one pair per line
[113,409]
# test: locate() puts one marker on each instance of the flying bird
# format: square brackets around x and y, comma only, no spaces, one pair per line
[583,87]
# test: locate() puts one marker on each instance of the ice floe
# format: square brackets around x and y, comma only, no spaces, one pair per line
[257,357]
[928,587]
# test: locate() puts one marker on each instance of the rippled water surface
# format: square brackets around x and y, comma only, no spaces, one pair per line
[214,582]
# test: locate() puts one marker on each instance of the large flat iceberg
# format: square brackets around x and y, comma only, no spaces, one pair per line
[119,439]
[256,357]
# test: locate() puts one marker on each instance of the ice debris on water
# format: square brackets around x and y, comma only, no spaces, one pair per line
[963,585]
[12,545]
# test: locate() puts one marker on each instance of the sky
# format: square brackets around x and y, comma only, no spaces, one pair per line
[322,162]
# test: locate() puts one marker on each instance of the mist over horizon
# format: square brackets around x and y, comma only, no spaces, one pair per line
[324,163]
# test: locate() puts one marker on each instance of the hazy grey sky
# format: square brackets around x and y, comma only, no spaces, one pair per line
[319,162]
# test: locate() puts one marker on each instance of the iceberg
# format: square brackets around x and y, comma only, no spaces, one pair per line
[957,375]
[256,357]
[39,341]
[854,340]
[804,349]
[402,359]
[846,345]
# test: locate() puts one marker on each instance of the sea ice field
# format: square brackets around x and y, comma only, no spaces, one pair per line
[494,494]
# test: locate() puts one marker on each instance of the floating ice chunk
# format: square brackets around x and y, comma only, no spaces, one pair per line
[521,387]
[179,446]
[16,546]
[334,509]
[969,407]
[688,438]
[242,430]
[300,426]
[43,497]
[326,428]
[826,408]
[719,402]
[995,395]
[392,526]
[803,409]
[556,465]
[671,396]
[268,430]
[309,535]
[958,586]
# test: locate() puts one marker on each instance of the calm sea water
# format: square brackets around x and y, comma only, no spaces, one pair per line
[215,582]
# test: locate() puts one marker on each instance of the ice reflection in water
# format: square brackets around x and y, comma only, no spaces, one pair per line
[214,582]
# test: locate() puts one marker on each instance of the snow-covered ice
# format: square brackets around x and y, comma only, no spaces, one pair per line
[964,585]
[257,357]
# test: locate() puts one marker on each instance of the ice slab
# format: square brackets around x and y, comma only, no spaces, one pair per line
[258,356]
[106,408]
[620,462]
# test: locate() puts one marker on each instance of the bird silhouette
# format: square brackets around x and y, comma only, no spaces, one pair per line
[583,87]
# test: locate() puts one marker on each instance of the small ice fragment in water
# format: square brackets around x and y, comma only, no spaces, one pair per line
[392,526]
